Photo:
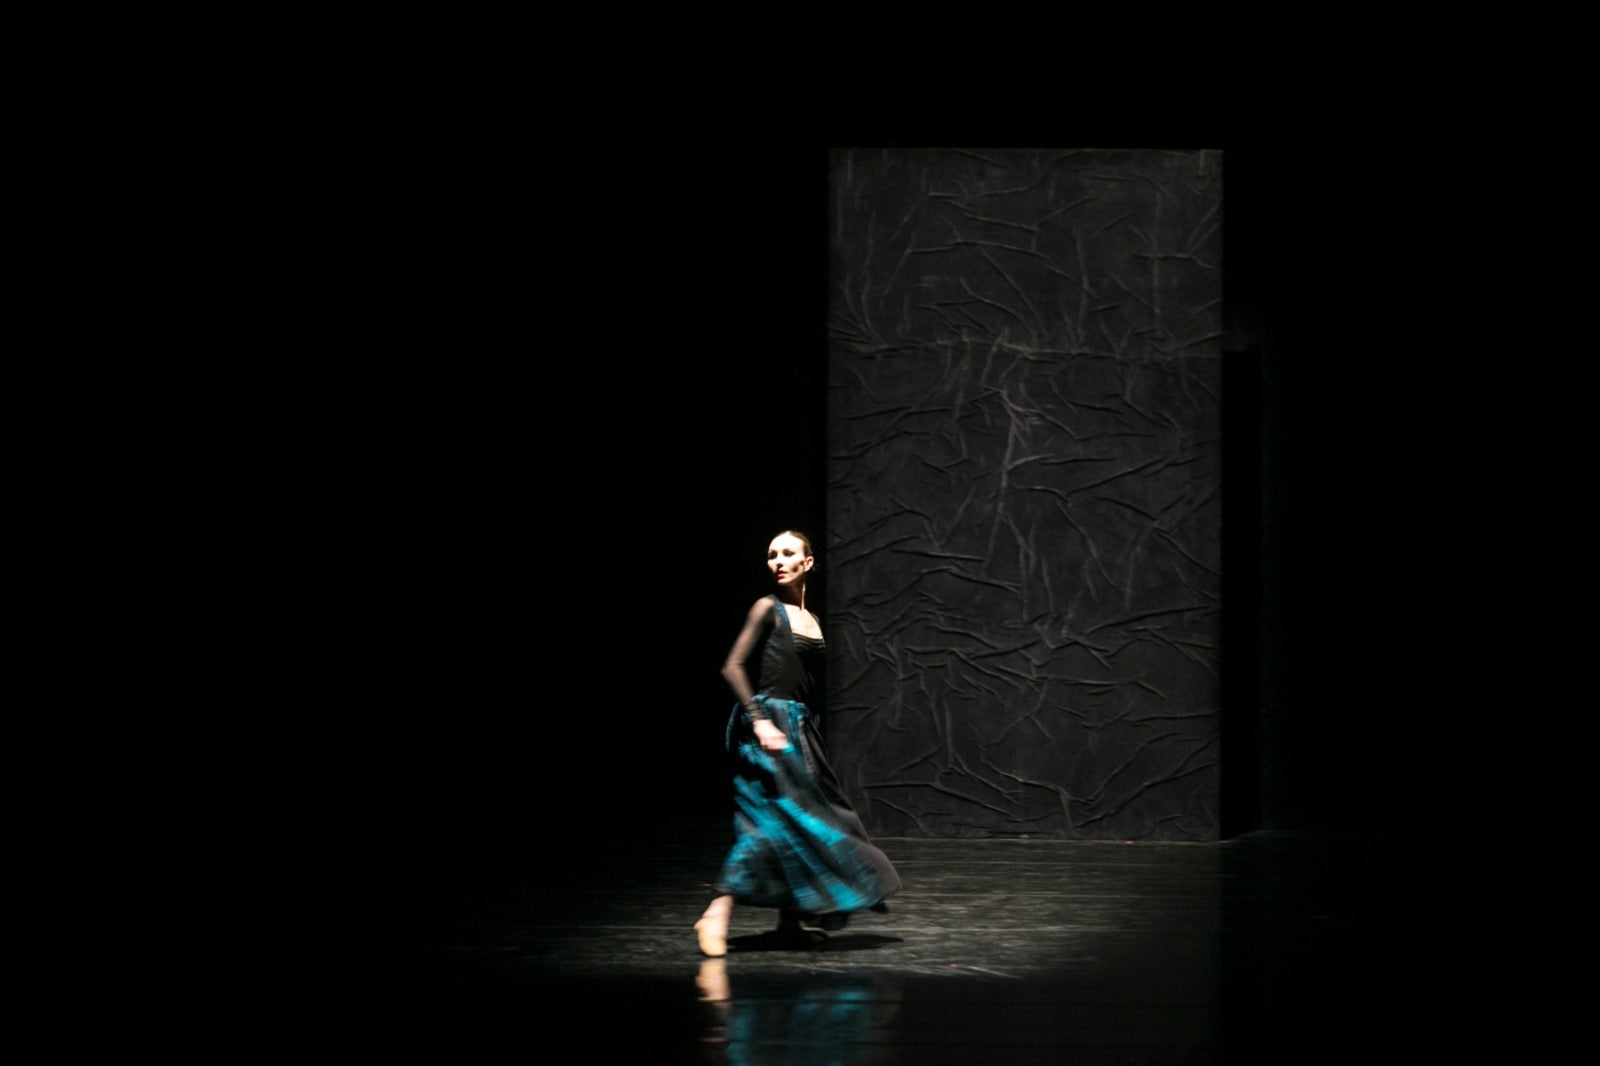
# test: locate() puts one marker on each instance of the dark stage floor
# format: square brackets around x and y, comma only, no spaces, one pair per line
[1270,947]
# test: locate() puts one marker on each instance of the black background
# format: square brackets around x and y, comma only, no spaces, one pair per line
[416,459]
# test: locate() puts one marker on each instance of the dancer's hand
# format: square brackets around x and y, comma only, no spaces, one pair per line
[772,738]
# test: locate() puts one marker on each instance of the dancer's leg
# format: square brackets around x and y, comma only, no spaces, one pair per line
[712,928]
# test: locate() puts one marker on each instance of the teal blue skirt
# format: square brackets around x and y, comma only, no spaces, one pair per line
[799,845]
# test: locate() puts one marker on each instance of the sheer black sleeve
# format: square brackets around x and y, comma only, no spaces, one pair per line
[735,669]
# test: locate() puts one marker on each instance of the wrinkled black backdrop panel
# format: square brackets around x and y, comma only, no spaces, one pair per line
[1023,555]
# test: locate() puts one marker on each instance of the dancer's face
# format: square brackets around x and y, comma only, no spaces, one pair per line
[787,559]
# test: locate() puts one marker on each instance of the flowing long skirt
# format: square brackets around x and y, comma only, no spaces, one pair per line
[799,843]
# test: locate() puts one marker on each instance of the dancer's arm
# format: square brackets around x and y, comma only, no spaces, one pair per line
[738,678]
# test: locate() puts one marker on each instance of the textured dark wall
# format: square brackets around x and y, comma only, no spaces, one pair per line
[1024,549]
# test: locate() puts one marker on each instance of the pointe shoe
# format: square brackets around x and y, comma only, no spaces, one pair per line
[712,945]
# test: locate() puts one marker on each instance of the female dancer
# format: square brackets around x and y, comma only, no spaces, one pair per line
[799,845]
